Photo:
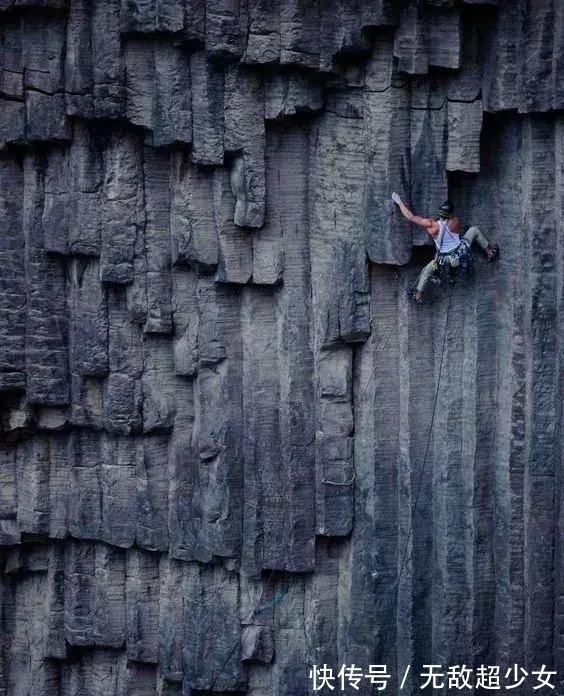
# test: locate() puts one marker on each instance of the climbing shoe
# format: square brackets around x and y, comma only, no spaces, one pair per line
[492,252]
[414,296]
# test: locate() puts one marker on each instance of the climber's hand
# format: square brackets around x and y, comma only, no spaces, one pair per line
[396,198]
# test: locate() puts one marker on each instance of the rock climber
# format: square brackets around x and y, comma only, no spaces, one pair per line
[451,249]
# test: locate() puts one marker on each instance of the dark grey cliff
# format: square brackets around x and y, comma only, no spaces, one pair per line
[204,328]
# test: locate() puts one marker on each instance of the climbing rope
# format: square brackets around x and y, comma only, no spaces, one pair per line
[280,595]
[378,349]
[274,601]
[350,482]
[419,483]
[257,610]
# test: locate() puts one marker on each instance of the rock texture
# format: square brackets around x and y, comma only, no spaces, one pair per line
[215,398]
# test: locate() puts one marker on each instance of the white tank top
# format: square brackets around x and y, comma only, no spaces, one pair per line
[446,240]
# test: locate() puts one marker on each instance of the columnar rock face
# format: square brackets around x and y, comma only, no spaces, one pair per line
[230,448]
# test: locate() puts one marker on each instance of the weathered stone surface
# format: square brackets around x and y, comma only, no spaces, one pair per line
[158,90]
[299,33]
[123,396]
[464,127]
[230,447]
[348,313]
[12,263]
[212,630]
[257,644]
[268,250]
[244,135]
[46,312]
[226,27]
[263,40]
[123,215]
[289,94]
[411,41]
[207,80]
[193,234]
[428,145]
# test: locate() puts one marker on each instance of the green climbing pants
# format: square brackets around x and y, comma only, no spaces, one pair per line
[472,235]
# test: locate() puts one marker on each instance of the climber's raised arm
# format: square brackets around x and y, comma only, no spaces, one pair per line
[427,223]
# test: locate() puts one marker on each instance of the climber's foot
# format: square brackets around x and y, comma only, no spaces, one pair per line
[416,296]
[492,252]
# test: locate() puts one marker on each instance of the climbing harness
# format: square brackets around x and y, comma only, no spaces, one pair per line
[449,266]
[455,259]
[452,263]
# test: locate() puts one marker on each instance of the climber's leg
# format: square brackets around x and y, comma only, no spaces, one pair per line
[474,234]
[424,278]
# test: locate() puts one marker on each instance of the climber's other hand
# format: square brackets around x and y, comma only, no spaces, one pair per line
[396,198]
